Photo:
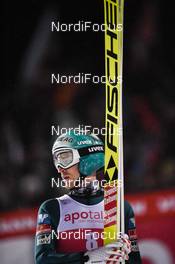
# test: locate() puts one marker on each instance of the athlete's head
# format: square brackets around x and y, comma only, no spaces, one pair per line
[78,155]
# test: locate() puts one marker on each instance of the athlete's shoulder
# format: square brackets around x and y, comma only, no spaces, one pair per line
[129,218]
[128,209]
[48,203]
[50,209]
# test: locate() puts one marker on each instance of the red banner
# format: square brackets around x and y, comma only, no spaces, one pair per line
[17,223]
[155,220]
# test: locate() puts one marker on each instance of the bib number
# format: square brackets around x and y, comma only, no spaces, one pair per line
[91,241]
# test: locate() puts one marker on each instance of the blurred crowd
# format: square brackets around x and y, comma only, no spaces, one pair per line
[30,105]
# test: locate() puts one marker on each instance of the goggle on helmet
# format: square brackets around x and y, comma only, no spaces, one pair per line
[66,158]
[87,150]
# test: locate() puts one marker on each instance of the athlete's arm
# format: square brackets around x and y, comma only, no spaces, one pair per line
[130,229]
[45,242]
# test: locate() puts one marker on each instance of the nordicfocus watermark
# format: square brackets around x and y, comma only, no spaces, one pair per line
[80,234]
[96,184]
[83,78]
[85,129]
[83,26]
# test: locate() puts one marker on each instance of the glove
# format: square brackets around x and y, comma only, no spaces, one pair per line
[113,253]
[118,251]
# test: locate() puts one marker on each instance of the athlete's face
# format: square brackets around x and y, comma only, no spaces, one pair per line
[70,176]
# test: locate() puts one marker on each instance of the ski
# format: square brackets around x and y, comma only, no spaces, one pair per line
[114,187]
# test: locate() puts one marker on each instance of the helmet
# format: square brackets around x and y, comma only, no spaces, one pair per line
[86,150]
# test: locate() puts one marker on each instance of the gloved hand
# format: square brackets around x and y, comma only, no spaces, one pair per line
[118,251]
[113,253]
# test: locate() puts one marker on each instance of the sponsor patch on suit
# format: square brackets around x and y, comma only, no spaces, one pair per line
[43,239]
[43,219]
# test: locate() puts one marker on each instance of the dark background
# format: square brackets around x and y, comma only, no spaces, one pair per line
[30,104]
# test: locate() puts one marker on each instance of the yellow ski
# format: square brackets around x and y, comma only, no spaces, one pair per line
[114,188]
